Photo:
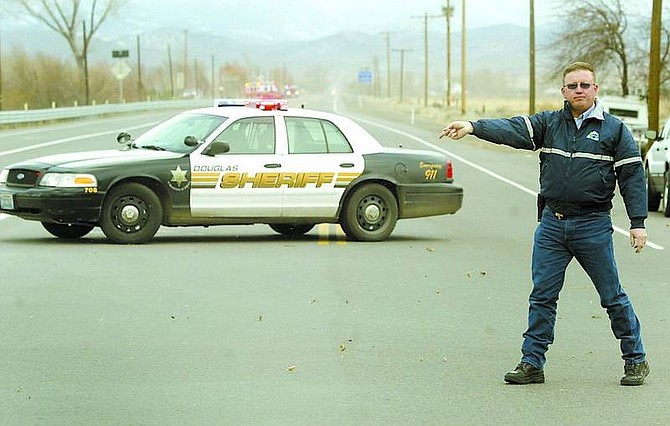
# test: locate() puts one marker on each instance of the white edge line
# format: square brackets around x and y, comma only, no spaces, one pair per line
[484,170]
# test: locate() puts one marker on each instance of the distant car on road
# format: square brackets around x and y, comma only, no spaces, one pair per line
[233,164]
[291,90]
[657,170]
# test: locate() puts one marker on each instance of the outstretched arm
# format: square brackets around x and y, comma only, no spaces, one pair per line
[457,129]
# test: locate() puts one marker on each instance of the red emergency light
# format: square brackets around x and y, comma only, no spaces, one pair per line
[274,105]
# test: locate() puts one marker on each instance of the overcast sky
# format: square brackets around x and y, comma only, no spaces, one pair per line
[308,19]
[311,19]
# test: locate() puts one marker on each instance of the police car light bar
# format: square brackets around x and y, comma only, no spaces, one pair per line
[273,105]
[262,104]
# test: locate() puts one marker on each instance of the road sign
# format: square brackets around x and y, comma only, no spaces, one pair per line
[119,53]
[121,70]
[365,76]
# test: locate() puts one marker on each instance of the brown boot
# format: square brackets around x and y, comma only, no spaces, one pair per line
[524,374]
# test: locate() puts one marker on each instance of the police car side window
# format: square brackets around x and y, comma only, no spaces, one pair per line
[314,136]
[250,136]
[335,140]
[304,135]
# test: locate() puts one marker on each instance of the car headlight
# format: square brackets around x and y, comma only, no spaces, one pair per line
[3,176]
[68,180]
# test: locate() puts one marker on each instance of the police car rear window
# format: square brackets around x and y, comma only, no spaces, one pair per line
[315,136]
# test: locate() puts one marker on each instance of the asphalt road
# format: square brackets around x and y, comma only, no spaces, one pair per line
[238,325]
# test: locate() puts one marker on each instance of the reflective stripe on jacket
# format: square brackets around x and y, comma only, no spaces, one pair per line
[579,168]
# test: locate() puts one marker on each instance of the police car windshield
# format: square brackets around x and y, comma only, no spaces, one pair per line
[170,134]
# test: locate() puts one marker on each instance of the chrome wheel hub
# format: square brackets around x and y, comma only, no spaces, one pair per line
[372,213]
[130,214]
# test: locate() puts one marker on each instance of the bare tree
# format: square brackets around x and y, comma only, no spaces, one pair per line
[594,31]
[76,20]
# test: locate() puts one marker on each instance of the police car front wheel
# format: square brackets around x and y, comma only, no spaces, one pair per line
[370,213]
[131,214]
[67,231]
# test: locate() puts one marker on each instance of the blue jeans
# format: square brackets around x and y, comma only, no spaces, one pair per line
[588,239]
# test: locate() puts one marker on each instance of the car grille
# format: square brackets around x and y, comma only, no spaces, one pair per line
[22,177]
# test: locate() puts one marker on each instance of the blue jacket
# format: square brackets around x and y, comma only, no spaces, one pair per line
[579,168]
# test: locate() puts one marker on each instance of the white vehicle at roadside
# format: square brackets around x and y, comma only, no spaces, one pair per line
[632,111]
[657,170]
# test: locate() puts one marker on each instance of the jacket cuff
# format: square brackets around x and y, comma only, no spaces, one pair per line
[475,125]
[636,223]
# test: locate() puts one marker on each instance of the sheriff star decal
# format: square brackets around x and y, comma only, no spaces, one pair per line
[179,181]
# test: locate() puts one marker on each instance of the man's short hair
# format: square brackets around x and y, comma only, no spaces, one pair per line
[579,66]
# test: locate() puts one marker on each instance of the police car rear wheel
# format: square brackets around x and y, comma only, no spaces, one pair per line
[291,230]
[131,214]
[370,213]
[67,231]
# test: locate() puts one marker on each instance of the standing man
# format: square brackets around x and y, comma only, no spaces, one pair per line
[584,152]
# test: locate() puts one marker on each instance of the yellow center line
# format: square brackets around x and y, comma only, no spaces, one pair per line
[331,231]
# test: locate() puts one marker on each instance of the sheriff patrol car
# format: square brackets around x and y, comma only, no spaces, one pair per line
[238,162]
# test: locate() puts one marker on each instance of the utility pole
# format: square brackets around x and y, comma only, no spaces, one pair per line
[171,72]
[425,54]
[463,44]
[387,37]
[185,60]
[531,100]
[402,69]
[85,52]
[213,84]
[448,12]
[654,69]
[376,89]
[140,94]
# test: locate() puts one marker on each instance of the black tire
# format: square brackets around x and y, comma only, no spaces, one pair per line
[67,231]
[131,214]
[370,213]
[666,194]
[292,230]
[653,197]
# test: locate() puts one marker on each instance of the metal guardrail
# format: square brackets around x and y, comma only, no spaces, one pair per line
[52,114]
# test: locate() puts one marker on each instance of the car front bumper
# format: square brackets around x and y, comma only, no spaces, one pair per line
[58,205]
[420,200]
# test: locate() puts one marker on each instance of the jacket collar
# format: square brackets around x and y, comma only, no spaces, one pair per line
[597,112]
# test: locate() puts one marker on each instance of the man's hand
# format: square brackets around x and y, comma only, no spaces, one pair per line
[457,130]
[638,239]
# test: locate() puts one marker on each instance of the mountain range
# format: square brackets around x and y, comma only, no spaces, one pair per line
[501,50]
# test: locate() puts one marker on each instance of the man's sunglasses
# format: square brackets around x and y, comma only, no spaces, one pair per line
[583,86]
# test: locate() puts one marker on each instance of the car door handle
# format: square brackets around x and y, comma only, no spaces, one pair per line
[347,165]
[272,166]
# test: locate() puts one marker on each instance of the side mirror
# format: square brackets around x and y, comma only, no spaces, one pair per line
[123,138]
[651,134]
[190,141]
[216,148]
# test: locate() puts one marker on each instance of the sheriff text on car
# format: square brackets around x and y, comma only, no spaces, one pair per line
[230,164]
